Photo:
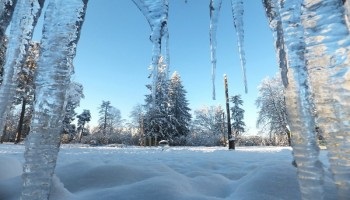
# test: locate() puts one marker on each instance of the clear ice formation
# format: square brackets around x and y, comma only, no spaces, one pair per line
[328,60]
[62,25]
[300,106]
[214,9]
[6,12]
[156,13]
[21,33]
[237,12]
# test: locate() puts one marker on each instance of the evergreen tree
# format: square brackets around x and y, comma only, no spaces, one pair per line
[110,118]
[74,95]
[84,117]
[25,91]
[237,115]
[178,111]
[156,122]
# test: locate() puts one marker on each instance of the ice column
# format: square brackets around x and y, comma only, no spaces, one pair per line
[299,104]
[156,13]
[62,25]
[214,9]
[237,11]
[328,61]
[21,33]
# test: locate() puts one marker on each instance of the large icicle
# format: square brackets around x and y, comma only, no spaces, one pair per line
[237,12]
[328,61]
[156,13]
[62,25]
[21,33]
[6,11]
[214,9]
[275,23]
[299,105]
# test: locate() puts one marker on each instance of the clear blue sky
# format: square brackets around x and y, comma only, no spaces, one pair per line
[114,53]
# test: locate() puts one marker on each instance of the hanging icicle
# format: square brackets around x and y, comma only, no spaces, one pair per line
[298,99]
[237,12]
[62,25]
[328,61]
[156,13]
[21,33]
[214,9]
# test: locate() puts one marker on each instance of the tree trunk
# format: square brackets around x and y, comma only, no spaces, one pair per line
[20,123]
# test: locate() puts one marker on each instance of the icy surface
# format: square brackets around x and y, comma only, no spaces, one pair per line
[156,13]
[327,58]
[214,9]
[300,107]
[237,12]
[58,46]
[20,35]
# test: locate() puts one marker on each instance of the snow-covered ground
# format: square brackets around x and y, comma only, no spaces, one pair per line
[175,173]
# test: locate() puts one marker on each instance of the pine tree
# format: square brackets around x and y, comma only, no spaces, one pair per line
[25,90]
[178,111]
[237,115]
[156,122]
[84,117]
[74,95]
[110,118]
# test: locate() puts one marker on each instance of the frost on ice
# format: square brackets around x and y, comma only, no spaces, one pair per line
[313,36]
[21,33]
[156,13]
[237,12]
[62,25]
[214,9]
[328,60]
[284,18]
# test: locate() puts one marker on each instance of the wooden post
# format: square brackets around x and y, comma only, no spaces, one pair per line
[223,128]
[231,140]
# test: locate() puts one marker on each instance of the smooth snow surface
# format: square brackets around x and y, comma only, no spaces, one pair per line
[173,173]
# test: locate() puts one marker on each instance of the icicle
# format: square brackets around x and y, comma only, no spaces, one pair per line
[214,8]
[20,34]
[299,105]
[237,12]
[156,13]
[62,25]
[328,61]
[6,11]
[276,27]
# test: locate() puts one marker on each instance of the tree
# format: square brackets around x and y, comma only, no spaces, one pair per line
[74,95]
[25,90]
[84,117]
[237,115]
[178,110]
[207,127]
[272,107]
[110,118]
[156,121]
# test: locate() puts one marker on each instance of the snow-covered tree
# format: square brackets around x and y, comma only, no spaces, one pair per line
[74,95]
[272,107]
[83,118]
[25,90]
[207,127]
[110,118]
[178,110]
[156,121]
[237,115]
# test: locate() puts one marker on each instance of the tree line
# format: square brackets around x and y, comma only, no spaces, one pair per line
[164,115]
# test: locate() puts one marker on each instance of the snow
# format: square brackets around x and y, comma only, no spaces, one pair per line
[203,173]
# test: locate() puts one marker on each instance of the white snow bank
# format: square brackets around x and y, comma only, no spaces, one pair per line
[191,173]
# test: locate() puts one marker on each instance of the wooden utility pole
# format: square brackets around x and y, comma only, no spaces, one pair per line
[231,140]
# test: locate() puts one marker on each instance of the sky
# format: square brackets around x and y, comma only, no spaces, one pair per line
[114,53]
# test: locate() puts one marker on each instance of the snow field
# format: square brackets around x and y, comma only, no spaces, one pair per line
[191,173]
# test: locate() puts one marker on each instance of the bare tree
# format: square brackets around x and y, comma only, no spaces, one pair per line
[272,107]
